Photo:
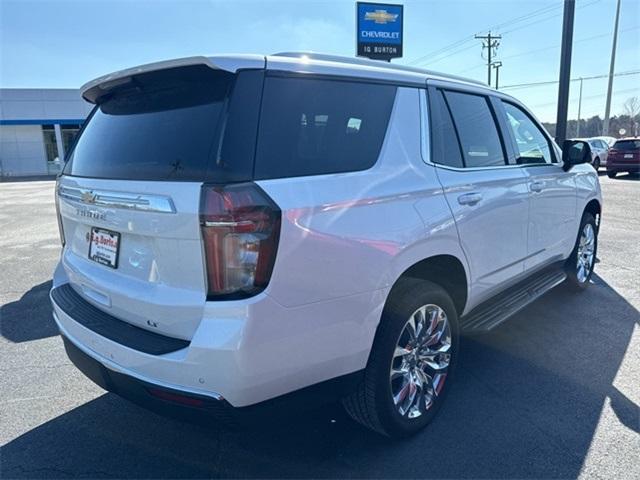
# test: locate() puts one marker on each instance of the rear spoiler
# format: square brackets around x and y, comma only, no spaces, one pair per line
[95,89]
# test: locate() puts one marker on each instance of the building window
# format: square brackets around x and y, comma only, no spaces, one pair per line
[50,144]
[69,133]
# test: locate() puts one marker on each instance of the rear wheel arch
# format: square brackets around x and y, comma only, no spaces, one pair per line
[447,271]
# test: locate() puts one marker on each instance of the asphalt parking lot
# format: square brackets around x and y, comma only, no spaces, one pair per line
[554,393]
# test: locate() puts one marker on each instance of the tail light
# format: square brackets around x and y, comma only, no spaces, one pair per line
[60,228]
[240,229]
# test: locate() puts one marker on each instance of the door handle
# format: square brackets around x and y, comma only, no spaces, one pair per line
[469,198]
[536,186]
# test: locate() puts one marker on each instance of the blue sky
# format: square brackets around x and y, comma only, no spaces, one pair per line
[49,43]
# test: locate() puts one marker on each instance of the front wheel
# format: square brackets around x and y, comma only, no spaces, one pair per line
[411,362]
[596,164]
[611,174]
[580,264]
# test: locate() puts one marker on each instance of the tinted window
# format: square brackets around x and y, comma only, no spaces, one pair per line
[532,145]
[477,130]
[627,145]
[446,149]
[161,126]
[311,126]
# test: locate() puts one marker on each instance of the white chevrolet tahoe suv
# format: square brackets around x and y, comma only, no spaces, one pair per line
[243,230]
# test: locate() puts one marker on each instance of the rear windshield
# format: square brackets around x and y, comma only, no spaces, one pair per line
[199,124]
[627,145]
[163,125]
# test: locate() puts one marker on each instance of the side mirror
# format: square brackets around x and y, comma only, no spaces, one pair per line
[575,152]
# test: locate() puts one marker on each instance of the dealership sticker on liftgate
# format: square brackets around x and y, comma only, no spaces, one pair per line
[104,247]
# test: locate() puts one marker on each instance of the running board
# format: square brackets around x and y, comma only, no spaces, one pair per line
[493,312]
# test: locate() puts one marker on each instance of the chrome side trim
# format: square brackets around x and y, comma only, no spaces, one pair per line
[425,140]
[124,371]
[130,201]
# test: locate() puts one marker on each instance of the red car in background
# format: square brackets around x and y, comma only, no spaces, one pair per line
[624,156]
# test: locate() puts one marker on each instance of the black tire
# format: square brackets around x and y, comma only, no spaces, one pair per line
[611,174]
[596,164]
[372,403]
[571,266]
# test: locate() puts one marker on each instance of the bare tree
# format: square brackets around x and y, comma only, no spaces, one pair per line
[632,108]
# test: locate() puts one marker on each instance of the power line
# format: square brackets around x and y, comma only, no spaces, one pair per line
[469,38]
[590,97]
[547,18]
[551,47]
[447,48]
[526,16]
[440,51]
[475,67]
[552,82]
[543,49]
[431,62]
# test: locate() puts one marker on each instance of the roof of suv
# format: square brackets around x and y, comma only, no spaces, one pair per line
[300,62]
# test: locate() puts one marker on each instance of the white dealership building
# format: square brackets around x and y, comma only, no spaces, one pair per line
[37,127]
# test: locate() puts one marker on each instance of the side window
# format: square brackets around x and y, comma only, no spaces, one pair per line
[479,138]
[446,150]
[532,145]
[315,126]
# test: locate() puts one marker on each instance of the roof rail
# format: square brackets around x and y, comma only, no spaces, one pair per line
[372,63]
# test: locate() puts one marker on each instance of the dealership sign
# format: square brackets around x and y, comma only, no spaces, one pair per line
[379,30]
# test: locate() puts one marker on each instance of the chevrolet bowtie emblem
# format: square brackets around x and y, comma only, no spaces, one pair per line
[88,196]
[381,16]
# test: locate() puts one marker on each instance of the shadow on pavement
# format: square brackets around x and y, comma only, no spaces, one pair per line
[526,403]
[29,318]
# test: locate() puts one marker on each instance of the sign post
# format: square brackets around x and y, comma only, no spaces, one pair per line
[379,30]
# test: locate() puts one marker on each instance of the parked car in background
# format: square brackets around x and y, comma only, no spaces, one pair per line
[608,140]
[599,151]
[624,156]
[240,229]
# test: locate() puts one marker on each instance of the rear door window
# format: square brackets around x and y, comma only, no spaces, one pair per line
[167,125]
[311,126]
[477,131]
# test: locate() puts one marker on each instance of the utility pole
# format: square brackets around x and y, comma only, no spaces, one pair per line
[607,108]
[490,42]
[579,108]
[497,66]
[565,70]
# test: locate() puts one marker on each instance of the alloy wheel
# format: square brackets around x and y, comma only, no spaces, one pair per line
[586,252]
[420,361]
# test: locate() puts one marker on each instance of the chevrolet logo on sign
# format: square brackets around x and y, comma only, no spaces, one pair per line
[381,16]
[379,30]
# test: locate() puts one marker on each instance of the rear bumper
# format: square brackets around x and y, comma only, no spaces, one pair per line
[623,167]
[204,409]
[244,352]
[158,398]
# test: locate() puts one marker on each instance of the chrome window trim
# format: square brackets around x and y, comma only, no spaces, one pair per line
[425,137]
[129,201]
[425,140]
